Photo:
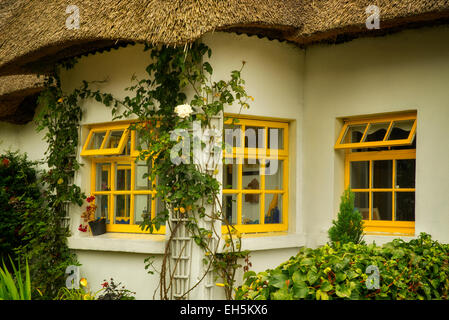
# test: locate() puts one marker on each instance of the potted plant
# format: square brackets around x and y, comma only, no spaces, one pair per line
[97,225]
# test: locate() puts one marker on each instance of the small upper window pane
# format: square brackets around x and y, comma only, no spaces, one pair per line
[385,132]
[377,131]
[96,140]
[354,133]
[113,139]
[401,130]
[107,142]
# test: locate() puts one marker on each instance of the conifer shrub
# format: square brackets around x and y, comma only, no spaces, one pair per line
[349,224]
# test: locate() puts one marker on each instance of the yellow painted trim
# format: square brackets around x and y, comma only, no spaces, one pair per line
[393,226]
[240,153]
[385,142]
[115,162]
[106,151]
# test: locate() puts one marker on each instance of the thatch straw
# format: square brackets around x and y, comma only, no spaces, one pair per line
[34,33]
[18,95]
[38,28]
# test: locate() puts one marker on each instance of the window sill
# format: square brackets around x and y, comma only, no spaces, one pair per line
[155,244]
[272,240]
[120,242]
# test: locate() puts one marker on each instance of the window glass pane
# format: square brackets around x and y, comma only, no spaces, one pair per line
[251,174]
[382,206]
[230,176]
[405,173]
[401,129]
[96,140]
[273,208]
[359,174]
[254,137]
[127,149]
[143,170]
[101,201]
[274,170]
[250,208]
[103,172]
[377,131]
[405,206]
[142,207]
[140,141]
[122,207]
[233,136]
[275,138]
[230,208]
[361,203]
[113,139]
[123,177]
[354,133]
[382,173]
[160,205]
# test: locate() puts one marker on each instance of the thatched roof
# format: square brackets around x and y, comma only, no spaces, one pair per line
[33,34]
[18,94]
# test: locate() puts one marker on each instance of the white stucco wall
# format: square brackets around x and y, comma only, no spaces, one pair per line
[404,71]
[312,88]
[265,61]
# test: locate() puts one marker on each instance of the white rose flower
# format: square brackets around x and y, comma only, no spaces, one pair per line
[183,110]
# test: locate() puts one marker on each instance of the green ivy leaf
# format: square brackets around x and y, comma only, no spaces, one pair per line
[300,290]
[312,277]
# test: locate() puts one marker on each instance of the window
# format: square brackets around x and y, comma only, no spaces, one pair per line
[122,195]
[255,175]
[380,167]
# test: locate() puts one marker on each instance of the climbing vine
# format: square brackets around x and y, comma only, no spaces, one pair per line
[46,222]
[188,188]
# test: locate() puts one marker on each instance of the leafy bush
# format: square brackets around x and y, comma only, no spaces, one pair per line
[18,184]
[413,270]
[349,224]
[29,227]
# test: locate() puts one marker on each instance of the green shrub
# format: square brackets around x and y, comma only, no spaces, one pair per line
[413,270]
[349,224]
[29,227]
[18,184]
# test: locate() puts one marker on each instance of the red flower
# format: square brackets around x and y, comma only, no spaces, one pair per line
[105,285]
[82,229]
[5,162]
[90,199]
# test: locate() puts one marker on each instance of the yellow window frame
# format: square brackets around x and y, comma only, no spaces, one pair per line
[376,226]
[380,226]
[115,163]
[113,158]
[340,144]
[102,151]
[238,154]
